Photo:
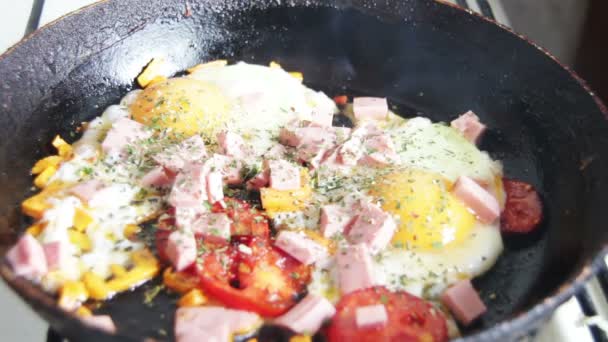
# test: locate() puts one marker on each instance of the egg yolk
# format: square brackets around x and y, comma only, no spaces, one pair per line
[429,215]
[183,105]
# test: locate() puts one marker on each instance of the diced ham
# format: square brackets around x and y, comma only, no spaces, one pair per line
[229,167]
[122,133]
[215,187]
[101,322]
[212,323]
[231,144]
[175,158]
[156,177]
[463,301]
[370,108]
[350,151]
[312,154]
[478,199]
[185,216]
[379,151]
[371,316]
[27,258]
[86,190]
[276,152]
[181,249]
[55,254]
[334,219]
[284,175]
[259,181]
[297,136]
[301,247]
[213,225]
[189,188]
[373,227]
[355,268]
[469,126]
[308,315]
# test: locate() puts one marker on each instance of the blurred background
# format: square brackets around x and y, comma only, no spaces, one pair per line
[572,30]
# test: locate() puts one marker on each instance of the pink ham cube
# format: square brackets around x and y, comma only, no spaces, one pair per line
[181,249]
[372,227]
[215,225]
[371,316]
[283,175]
[463,301]
[355,268]
[469,126]
[232,144]
[122,133]
[379,151]
[301,247]
[229,167]
[157,177]
[176,157]
[308,315]
[27,258]
[335,219]
[190,187]
[478,199]
[212,323]
[86,190]
[370,108]
[56,254]
[185,216]
[259,181]
[215,187]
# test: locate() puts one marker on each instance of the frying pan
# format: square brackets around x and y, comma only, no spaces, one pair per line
[428,58]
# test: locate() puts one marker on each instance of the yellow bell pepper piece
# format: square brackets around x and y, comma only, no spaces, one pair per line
[212,64]
[35,229]
[300,338]
[145,268]
[45,163]
[96,286]
[63,148]
[275,201]
[118,270]
[194,297]
[72,294]
[82,219]
[83,311]
[80,239]
[154,69]
[297,75]
[43,178]
[131,230]
[36,205]
[179,282]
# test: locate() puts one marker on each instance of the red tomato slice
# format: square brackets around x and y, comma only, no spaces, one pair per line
[523,208]
[246,220]
[263,280]
[409,318]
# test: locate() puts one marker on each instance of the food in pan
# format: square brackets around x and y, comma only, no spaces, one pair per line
[261,211]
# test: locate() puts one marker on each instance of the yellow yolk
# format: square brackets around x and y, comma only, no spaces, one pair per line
[429,215]
[186,106]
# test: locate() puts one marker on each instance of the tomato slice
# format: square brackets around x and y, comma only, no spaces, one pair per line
[523,207]
[260,278]
[409,318]
[245,219]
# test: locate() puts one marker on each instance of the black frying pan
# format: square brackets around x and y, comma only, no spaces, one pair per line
[429,59]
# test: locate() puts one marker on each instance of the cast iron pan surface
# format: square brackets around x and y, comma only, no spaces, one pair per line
[428,58]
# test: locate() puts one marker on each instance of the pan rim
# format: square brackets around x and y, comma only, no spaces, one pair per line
[514,327]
